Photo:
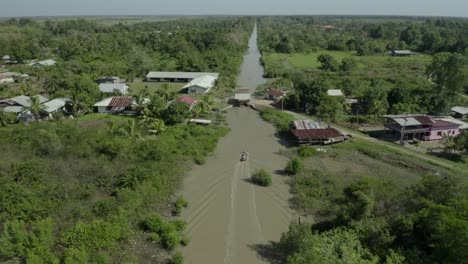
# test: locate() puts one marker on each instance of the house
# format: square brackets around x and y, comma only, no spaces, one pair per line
[401,53]
[6,58]
[55,105]
[460,112]
[188,101]
[6,79]
[113,79]
[113,87]
[114,105]
[275,94]
[19,103]
[44,63]
[421,127]
[318,136]
[463,125]
[242,96]
[334,92]
[176,76]
[200,85]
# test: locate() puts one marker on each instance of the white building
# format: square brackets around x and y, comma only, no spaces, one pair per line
[113,87]
[334,92]
[200,85]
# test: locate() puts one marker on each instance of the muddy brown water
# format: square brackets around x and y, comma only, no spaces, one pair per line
[230,220]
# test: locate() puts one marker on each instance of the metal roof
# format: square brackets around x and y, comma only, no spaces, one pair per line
[111,87]
[200,121]
[179,75]
[242,90]
[276,92]
[55,104]
[317,134]
[119,103]
[43,63]
[463,125]
[335,92]
[460,109]
[309,124]
[402,52]
[104,102]
[13,109]
[26,100]
[187,100]
[205,81]
[408,121]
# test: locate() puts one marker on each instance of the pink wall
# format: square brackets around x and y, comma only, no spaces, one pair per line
[444,131]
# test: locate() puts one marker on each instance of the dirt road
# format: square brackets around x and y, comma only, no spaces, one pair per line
[228,217]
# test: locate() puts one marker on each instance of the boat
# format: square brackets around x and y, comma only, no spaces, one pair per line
[243,156]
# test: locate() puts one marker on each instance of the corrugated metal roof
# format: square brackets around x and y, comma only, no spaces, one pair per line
[460,109]
[205,81]
[463,125]
[119,103]
[316,134]
[276,92]
[26,100]
[13,109]
[200,121]
[111,87]
[443,123]
[335,92]
[179,75]
[309,124]
[403,52]
[55,104]
[187,100]
[242,90]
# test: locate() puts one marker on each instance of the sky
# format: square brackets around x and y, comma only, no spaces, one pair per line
[19,8]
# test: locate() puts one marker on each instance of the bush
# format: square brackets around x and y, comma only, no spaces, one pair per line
[294,166]
[307,151]
[178,205]
[178,258]
[262,178]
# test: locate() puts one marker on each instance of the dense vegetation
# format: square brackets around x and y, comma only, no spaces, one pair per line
[376,207]
[86,50]
[75,192]
[99,189]
[313,54]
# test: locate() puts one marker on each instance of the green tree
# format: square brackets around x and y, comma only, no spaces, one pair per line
[294,166]
[348,65]
[176,113]
[328,62]
[330,109]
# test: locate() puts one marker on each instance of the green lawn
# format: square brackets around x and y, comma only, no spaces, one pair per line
[309,61]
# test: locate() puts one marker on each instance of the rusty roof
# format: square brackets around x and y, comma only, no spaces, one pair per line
[119,103]
[323,133]
[276,92]
[242,90]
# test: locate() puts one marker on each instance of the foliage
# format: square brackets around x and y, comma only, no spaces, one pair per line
[179,204]
[262,178]
[280,119]
[294,166]
[306,151]
[167,233]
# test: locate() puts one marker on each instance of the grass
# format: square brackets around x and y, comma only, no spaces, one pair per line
[372,66]
[137,85]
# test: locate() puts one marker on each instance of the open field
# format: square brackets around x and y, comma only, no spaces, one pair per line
[309,61]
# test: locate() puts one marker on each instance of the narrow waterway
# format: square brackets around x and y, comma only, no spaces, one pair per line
[230,220]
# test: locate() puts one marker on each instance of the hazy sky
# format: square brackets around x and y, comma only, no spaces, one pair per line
[14,8]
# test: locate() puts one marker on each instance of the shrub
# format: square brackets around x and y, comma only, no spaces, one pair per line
[179,204]
[294,166]
[177,258]
[307,151]
[170,239]
[262,178]
[179,224]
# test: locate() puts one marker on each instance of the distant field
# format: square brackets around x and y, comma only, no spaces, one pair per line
[309,61]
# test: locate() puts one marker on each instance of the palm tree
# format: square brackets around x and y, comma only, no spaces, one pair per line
[158,126]
[165,94]
[5,118]
[36,107]
[140,101]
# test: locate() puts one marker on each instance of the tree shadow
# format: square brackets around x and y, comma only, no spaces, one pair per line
[284,139]
[269,252]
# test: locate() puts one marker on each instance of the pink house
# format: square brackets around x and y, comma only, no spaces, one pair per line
[421,127]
